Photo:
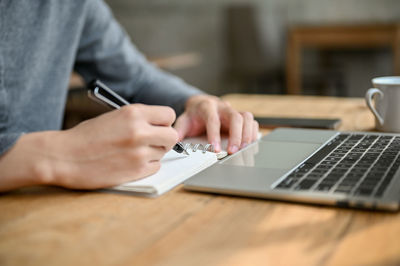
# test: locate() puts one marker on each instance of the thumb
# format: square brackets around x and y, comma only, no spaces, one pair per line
[182,125]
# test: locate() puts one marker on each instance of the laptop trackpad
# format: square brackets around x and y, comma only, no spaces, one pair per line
[273,154]
[253,169]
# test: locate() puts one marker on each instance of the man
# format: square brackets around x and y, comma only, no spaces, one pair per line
[41,42]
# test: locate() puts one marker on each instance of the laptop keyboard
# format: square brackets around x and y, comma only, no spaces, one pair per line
[354,164]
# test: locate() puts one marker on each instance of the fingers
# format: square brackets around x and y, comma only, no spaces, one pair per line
[146,154]
[153,167]
[256,128]
[156,153]
[161,115]
[243,129]
[209,112]
[165,137]
[235,131]
[213,127]
[182,126]
[153,114]
[148,169]
[149,125]
[140,134]
[247,130]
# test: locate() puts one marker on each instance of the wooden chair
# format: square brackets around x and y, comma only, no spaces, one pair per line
[337,37]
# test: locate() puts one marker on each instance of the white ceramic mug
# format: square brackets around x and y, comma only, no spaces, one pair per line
[387,103]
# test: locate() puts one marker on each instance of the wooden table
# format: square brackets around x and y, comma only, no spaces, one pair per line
[53,226]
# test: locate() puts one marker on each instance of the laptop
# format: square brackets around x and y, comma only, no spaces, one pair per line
[325,167]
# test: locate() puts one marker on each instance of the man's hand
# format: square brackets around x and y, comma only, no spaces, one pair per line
[205,113]
[119,146]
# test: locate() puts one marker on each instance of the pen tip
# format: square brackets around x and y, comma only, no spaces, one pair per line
[185,151]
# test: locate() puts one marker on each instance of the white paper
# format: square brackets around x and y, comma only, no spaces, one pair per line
[175,168]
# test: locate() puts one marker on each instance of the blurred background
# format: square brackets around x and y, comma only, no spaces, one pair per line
[312,47]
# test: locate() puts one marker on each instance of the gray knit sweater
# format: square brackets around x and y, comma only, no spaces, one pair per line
[42,41]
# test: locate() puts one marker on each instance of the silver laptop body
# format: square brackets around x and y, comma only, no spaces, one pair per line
[283,166]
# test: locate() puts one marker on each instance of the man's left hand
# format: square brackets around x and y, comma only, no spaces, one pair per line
[209,114]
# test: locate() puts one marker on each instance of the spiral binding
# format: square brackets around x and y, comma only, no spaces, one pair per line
[198,146]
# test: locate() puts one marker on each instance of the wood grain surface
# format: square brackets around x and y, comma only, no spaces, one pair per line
[54,226]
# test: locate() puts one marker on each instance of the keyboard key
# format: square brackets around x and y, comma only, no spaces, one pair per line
[333,180]
[305,184]
[288,182]
[324,187]
[372,179]
[344,189]
[334,175]
[312,178]
[339,171]
[349,182]
[364,191]
[322,153]
[356,137]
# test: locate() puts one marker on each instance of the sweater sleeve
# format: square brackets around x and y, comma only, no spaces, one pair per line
[8,140]
[107,53]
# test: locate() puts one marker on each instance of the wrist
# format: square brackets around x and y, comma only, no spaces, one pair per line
[40,162]
[25,164]
[197,98]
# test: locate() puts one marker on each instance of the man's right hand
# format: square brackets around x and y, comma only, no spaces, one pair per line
[117,147]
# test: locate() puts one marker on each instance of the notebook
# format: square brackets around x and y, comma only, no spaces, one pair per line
[175,168]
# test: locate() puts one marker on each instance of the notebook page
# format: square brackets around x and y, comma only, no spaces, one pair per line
[175,168]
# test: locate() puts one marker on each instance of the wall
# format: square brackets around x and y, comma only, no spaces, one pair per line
[163,27]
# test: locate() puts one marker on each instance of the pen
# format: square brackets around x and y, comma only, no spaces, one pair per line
[99,92]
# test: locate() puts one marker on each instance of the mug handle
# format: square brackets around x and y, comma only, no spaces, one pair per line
[369,97]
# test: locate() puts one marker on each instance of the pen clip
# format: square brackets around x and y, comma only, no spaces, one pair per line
[99,92]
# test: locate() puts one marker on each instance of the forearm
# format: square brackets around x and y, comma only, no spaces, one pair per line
[106,53]
[161,88]
[24,164]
